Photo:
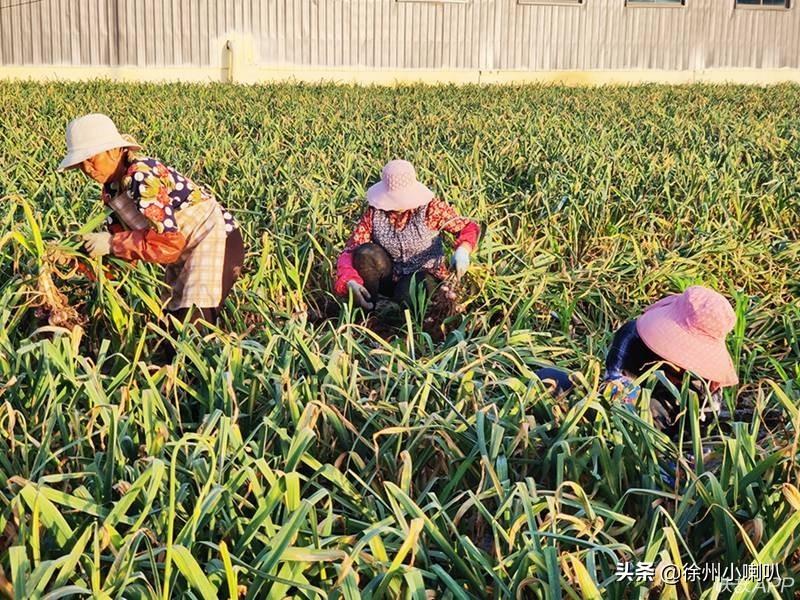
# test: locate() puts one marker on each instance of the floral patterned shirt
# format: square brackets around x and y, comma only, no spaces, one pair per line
[159,192]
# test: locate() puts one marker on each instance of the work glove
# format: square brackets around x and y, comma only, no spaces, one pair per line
[360,294]
[97,244]
[460,260]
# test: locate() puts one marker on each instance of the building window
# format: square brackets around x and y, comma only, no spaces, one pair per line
[655,2]
[764,3]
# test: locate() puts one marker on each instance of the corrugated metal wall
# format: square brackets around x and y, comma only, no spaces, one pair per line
[398,34]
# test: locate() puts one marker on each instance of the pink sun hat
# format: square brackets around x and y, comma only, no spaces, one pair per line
[689,330]
[398,188]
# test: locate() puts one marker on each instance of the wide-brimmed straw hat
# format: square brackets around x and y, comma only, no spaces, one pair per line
[90,135]
[689,330]
[398,188]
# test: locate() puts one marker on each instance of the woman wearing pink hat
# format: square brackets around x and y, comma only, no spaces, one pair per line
[686,332]
[399,238]
[159,216]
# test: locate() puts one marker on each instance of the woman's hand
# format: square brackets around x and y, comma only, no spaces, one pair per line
[461,260]
[97,244]
[360,294]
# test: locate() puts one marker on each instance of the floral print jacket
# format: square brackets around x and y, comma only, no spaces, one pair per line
[159,192]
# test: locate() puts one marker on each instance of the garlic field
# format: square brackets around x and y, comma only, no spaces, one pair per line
[304,450]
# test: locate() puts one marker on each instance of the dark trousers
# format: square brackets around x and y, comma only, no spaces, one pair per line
[375,267]
[232,268]
[557,377]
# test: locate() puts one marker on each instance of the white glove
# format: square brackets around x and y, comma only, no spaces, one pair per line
[360,294]
[461,260]
[97,244]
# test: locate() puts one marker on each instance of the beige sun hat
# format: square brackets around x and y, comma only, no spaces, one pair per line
[90,135]
[398,188]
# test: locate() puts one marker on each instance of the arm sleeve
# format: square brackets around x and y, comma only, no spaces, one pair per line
[113,223]
[443,217]
[148,245]
[617,386]
[621,346]
[345,271]
[148,185]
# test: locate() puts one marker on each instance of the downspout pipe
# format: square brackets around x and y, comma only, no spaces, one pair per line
[229,59]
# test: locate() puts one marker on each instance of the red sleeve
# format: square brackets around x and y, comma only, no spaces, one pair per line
[443,217]
[148,245]
[345,271]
